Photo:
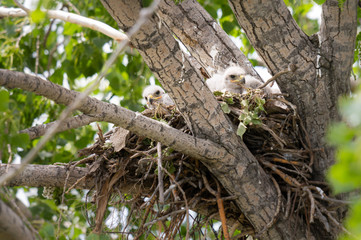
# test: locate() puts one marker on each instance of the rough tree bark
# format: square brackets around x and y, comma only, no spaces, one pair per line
[12,226]
[323,68]
[324,61]
[36,175]
[239,172]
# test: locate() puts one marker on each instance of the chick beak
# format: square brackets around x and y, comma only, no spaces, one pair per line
[239,80]
[151,99]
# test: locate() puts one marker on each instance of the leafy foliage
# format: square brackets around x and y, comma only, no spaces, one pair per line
[71,56]
[345,174]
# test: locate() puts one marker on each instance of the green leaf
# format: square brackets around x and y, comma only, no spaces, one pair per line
[225,107]
[217,93]
[245,103]
[70,29]
[47,231]
[241,129]
[93,236]
[229,100]
[340,133]
[319,2]
[146,3]
[4,100]
[37,16]
[20,140]
[228,26]
[256,121]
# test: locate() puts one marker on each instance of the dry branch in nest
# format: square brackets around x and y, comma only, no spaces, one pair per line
[126,167]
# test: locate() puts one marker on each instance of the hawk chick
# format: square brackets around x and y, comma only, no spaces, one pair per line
[234,79]
[155,95]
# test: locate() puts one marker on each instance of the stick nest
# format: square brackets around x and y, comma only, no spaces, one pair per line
[126,169]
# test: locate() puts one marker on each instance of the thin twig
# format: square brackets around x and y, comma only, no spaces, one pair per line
[312,203]
[164,217]
[72,18]
[10,158]
[335,222]
[37,55]
[160,173]
[27,10]
[222,213]
[291,68]
[288,204]
[62,201]
[208,187]
[185,201]
[145,13]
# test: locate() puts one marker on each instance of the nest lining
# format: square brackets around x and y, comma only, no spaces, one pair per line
[127,174]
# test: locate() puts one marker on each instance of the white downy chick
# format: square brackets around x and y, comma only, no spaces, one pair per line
[155,95]
[227,81]
[216,83]
[234,79]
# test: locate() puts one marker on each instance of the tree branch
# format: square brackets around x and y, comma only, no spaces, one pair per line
[322,68]
[55,175]
[72,18]
[11,225]
[277,38]
[48,176]
[70,123]
[202,35]
[135,122]
[238,171]
[337,45]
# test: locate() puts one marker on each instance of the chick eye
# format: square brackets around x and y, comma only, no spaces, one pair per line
[157,92]
[146,98]
[232,76]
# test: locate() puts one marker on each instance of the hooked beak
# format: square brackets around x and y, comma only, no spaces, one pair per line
[239,80]
[151,99]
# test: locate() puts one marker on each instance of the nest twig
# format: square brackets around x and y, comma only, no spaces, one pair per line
[127,174]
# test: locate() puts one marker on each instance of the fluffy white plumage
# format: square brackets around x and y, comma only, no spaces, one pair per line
[155,95]
[234,79]
[216,83]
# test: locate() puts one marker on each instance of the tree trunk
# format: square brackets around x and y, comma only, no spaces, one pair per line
[238,172]
[323,61]
[11,225]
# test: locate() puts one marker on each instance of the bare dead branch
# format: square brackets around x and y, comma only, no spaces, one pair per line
[135,122]
[70,123]
[27,10]
[291,68]
[47,176]
[160,173]
[72,18]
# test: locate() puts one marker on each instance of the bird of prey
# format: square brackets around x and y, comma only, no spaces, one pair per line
[234,79]
[155,95]
[216,83]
